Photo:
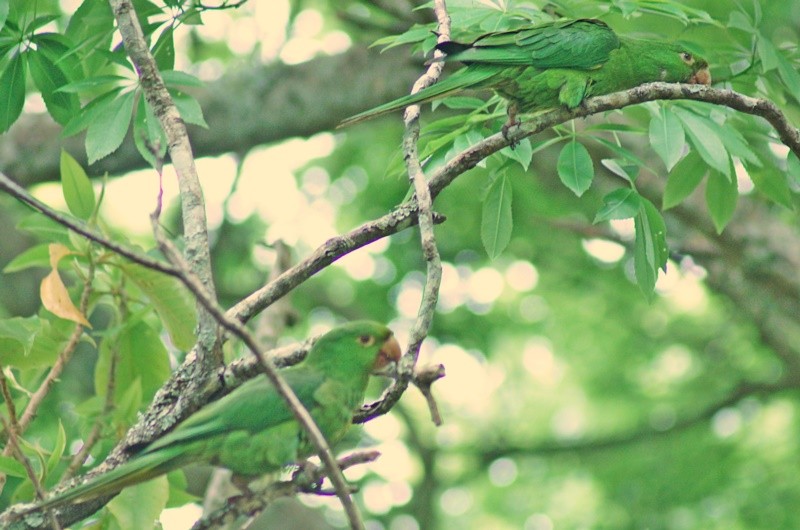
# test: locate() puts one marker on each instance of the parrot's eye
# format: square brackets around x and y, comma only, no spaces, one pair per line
[366,340]
[687,57]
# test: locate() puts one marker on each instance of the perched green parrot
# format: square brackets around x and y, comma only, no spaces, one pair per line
[251,431]
[557,63]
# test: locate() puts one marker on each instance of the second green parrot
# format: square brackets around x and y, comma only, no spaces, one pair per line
[557,63]
[251,431]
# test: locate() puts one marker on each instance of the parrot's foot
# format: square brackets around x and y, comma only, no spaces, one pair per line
[309,478]
[242,484]
[511,123]
[508,128]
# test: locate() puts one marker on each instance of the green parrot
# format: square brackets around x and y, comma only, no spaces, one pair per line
[251,431]
[557,63]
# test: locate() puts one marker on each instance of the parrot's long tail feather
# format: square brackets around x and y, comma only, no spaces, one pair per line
[460,80]
[137,470]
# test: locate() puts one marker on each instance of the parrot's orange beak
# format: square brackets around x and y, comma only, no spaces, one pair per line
[701,77]
[388,355]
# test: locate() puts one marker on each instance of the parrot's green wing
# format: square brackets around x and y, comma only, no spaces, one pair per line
[580,44]
[251,409]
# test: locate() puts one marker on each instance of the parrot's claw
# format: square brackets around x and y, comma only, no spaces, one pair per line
[507,129]
[309,478]
[511,123]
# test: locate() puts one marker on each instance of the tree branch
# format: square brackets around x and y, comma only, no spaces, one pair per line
[195,225]
[433,272]
[471,156]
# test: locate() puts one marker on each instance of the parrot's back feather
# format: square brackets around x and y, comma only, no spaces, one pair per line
[581,44]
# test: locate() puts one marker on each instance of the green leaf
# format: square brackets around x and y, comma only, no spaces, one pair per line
[171,300]
[12,91]
[139,506]
[575,168]
[176,78]
[109,127]
[496,221]
[623,153]
[683,179]
[45,229]
[90,112]
[3,12]
[705,140]
[58,449]
[148,136]
[522,153]
[12,467]
[19,330]
[721,197]
[92,83]
[164,49]
[790,77]
[142,359]
[667,137]
[622,168]
[623,203]
[650,246]
[189,109]
[39,22]
[793,168]
[616,127]
[767,52]
[417,33]
[36,256]
[49,337]
[77,188]
[49,78]
[740,20]
[773,183]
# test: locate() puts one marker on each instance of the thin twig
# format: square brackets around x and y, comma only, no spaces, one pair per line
[12,410]
[430,294]
[13,423]
[424,377]
[79,227]
[14,448]
[402,217]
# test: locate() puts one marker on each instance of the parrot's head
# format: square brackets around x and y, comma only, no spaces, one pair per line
[360,347]
[667,62]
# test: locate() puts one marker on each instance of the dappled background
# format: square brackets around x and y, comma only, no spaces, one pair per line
[570,401]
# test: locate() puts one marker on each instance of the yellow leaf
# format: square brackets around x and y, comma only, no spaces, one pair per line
[53,292]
